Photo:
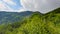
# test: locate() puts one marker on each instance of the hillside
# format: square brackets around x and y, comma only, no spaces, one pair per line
[42,24]
[37,23]
[11,17]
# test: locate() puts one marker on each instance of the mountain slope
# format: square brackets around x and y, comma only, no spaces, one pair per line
[37,23]
[11,17]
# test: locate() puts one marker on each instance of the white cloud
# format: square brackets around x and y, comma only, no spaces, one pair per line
[43,6]
[10,2]
[4,7]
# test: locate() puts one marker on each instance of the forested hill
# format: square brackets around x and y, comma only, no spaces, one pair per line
[10,17]
[37,23]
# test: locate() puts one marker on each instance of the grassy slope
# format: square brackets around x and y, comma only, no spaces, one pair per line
[36,24]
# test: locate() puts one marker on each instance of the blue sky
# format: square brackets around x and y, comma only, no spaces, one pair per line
[17,6]
[12,4]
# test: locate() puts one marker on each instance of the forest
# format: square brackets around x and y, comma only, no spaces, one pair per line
[37,23]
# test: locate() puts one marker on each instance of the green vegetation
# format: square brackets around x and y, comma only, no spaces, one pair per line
[37,23]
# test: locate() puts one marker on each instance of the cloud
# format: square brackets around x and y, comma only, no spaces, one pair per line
[7,8]
[9,2]
[43,6]
[20,10]
[4,6]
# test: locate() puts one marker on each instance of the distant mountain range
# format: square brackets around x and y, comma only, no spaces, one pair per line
[10,17]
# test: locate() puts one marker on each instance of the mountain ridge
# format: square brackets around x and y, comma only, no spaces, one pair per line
[6,17]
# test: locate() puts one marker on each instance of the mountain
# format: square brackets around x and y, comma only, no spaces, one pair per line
[37,23]
[42,23]
[10,17]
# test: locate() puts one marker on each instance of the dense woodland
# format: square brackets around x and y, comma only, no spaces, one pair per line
[37,23]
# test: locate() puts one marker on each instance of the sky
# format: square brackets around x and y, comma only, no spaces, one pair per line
[43,6]
[10,5]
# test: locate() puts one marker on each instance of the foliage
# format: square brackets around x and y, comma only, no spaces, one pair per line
[37,23]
